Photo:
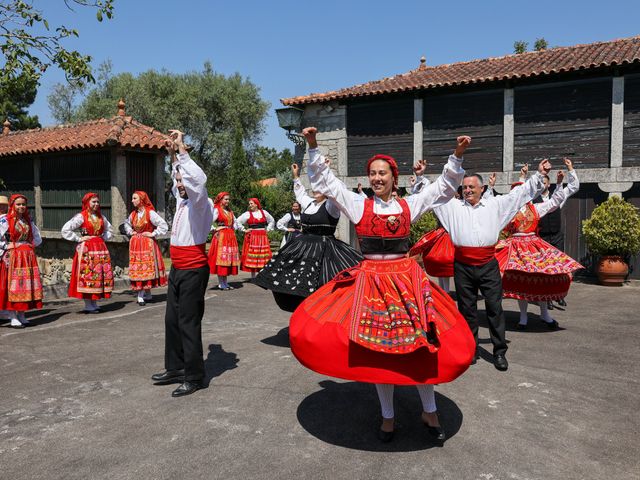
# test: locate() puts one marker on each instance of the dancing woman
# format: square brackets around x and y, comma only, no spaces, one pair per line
[311,259]
[20,283]
[532,269]
[91,273]
[224,258]
[256,251]
[146,265]
[382,321]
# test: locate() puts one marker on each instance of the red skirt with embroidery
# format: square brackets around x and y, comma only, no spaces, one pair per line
[382,321]
[146,265]
[224,257]
[533,269]
[91,274]
[256,250]
[20,282]
[437,252]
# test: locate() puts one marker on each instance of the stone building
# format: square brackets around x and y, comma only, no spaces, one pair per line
[54,167]
[581,101]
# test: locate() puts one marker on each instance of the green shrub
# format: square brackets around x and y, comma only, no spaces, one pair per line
[426,223]
[613,228]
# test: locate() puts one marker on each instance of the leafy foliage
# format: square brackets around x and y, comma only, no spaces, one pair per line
[270,162]
[30,46]
[426,223]
[520,46]
[540,44]
[16,95]
[613,228]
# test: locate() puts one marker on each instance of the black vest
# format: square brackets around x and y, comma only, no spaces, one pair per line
[293,223]
[319,223]
[552,222]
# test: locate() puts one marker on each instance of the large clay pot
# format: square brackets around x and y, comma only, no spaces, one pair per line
[612,271]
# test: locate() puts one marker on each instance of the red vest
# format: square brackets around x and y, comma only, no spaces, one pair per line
[384,233]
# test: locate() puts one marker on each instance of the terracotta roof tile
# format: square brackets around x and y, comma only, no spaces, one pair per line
[119,131]
[524,65]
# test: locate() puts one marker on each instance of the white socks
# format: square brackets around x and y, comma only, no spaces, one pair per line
[90,305]
[385,394]
[544,313]
[443,282]
[222,281]
[253,275]
[523,304]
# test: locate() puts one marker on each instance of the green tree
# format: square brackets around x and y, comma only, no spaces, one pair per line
[271,162]
[16,96]
[520,46]
[241,174]
[541,44]
[30,46]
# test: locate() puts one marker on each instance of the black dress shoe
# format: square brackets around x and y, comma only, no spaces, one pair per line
[385,437]
[500,362]
[187,388]
[553,325]
[521,326]
[437,433]
[167,376]
[550,305]
[561,302]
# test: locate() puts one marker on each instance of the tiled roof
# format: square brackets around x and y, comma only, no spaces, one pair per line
[523,65]
[121,131]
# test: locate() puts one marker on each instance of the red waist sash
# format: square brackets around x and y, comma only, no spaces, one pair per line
[475,256]
[188,258]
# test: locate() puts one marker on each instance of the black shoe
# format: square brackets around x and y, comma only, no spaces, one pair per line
[521,326]
[437,433]
[550,306]
[187,388]
[500,362]
[561,302]
[553,325]
[385,437]
[168,376]
[476,357]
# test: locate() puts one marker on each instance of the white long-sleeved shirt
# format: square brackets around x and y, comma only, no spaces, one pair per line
[161,225]
[352,204]
[69,229]
[282,224]
[244,218]
[4,228]
[560,195]
[309,204]
[480,225]
[194,216]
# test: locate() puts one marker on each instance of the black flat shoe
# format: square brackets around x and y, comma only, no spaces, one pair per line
[187,388]
[561,302]
[551,325]
[168,376]
[550,306]
[500,362]
[521,326]
[436,432]
[476,357]
[385,437]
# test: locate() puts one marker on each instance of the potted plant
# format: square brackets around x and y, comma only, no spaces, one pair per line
[613,232]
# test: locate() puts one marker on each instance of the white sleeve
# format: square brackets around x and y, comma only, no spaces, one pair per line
[421,183]
[362,194]
[4,227]
[194,180]
[559,197]
[439,192]
[333,209]
[488,193]
[108,230]
[159,223]
[128,227]
[572,187]
[324,181]
[301,194]
[68,229]
[282,223]
[241,220]
[215,217]
[272,222]
[37,238]
[509,204]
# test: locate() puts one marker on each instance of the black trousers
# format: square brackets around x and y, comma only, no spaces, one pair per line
[486,278]
[555,239]
[183,322]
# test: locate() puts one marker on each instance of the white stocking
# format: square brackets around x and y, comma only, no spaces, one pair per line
[544,312]
[385,394]
[523,304]
[428,396]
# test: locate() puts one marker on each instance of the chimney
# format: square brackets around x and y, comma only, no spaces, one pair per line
[6,127]
[121,106]
[423,63]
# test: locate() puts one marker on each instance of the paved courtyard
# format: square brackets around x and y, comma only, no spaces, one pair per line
[76,401]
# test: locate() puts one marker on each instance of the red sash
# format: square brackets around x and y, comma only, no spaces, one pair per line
[475,256]
[188,258]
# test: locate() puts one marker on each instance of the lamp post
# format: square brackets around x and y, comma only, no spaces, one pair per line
[290,118]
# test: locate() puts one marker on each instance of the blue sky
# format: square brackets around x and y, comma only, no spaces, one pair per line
[293,48]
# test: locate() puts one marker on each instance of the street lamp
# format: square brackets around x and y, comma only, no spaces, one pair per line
[290,118]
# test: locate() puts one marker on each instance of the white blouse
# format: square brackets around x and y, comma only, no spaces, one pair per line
[244,218]
[161,225]
[69,228]
[282,224]
[309,204]
[4,228]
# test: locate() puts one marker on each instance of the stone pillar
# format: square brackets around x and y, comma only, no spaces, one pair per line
[37,193]
[617,121]
[118,189]
[418,130]
[508,131]
[159,183]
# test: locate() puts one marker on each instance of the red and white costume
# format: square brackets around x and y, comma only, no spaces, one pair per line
[256,250]
[224,256]
[91,274]
[146,265]
[20,282]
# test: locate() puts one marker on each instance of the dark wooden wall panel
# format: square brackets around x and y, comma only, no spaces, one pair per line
[140,175]
[478,114]
[631,135]
[633,196]
[557,120]
[383,126]
[17,176]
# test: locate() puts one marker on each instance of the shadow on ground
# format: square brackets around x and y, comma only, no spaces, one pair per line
[280,339]
[348,415]
[217,362]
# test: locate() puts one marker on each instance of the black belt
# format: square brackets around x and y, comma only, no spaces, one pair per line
[369,245]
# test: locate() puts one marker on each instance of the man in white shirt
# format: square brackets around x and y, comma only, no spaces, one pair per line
[474,223]
[189,273]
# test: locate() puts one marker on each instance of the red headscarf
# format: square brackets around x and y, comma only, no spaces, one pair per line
[219,197]
[257,202]
[12,217]
[393,165]
[85,203]
[146,203]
